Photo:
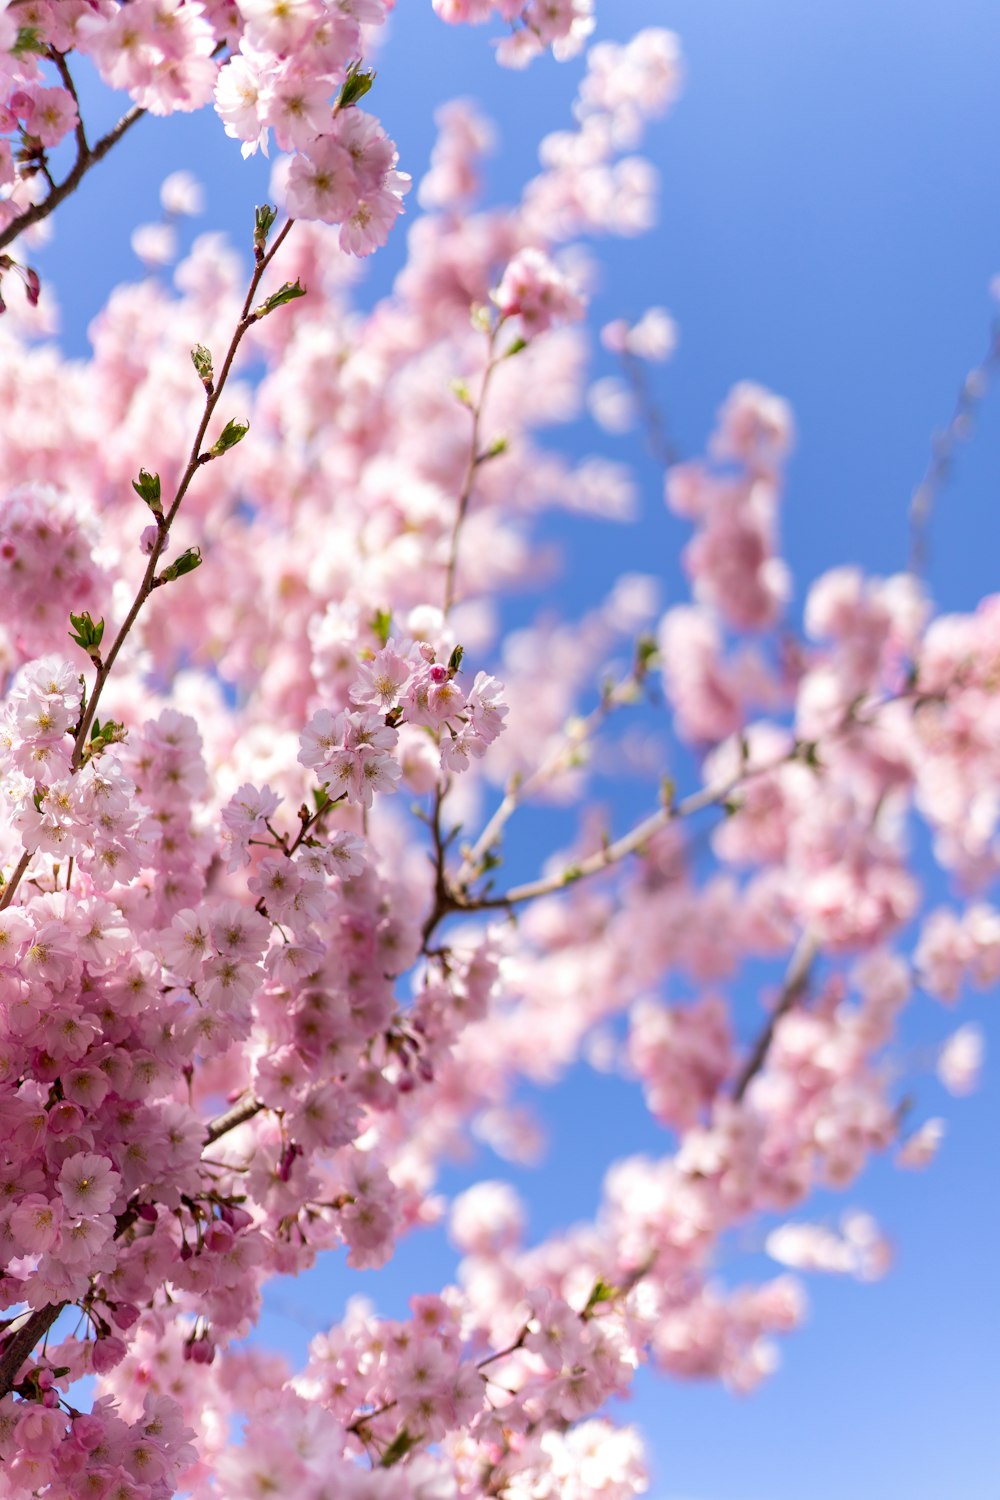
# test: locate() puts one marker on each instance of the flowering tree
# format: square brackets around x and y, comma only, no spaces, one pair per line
[260,967]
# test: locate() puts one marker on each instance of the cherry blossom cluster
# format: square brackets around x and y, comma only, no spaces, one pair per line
[292,69]
[250,1001]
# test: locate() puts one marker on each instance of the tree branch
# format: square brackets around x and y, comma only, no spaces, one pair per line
[86,157]
[238,1115]
[165,521]
[792,989]
[943,448]
[21,1338]
[474,460]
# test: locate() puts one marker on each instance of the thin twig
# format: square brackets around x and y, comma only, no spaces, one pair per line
[468,483]
[87,157]
[792,989]
[943,447]
[195,461]
[658,439]
[576,734]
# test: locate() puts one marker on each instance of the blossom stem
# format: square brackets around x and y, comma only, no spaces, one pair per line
[792,989]
[195,462]
[576,734]
[943,447]
[468,483]
[86,157]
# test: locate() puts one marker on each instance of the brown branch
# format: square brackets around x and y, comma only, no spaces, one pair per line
[943,447]
[86,157]
[18,1343]
[793,988]
[474,460]
[238,1115]
[196,461]
[576,734]
[658,440]
[15,880]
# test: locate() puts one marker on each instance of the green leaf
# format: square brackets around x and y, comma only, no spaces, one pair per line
[147,487]
[264,217]
[29,39]
[234,432]
[186,563]
[455,659]
[102,735]
[515,348]
[87,633]
[380,625]
[201,358]
[321,799]
[460,389]
[807,751]
[398,1448]
[499,445]
[573,873]
[356,85]
[287,293]
[602,1292]
[646,652]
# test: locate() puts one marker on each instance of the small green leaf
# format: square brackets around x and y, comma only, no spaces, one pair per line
[321,799]
[264,217]
[87,633]
[102,735]
[356,85]
[668,791]
[186,563]
[646,652]
[398,1448]
[499,445]
[234,432]
[602,1292]
[380,625]
[147,487]
[455,659]
[807,751]
[28,40]
[201,358]
[460,389]
[515,348]
[287,293]
[574,872]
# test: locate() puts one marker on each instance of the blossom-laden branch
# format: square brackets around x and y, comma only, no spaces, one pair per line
[87,156]
[199,456]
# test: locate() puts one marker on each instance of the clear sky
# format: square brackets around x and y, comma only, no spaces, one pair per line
[830,226]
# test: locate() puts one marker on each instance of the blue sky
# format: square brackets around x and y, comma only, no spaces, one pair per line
[830,225]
